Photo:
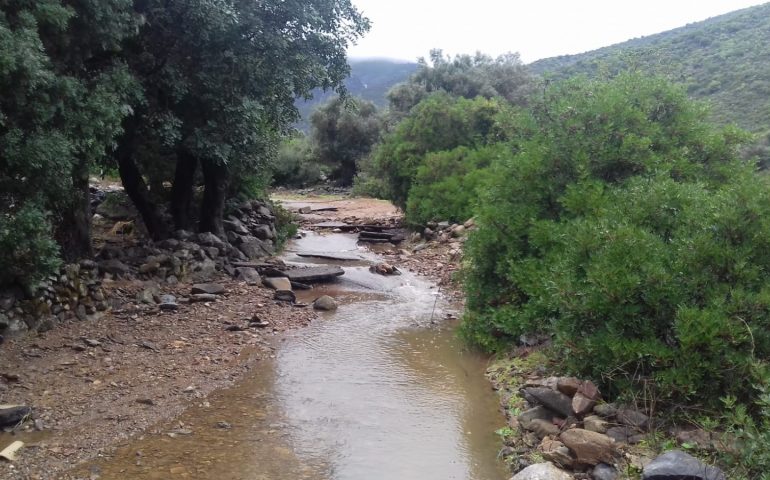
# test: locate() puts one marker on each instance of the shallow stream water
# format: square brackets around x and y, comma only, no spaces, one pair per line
[379,389]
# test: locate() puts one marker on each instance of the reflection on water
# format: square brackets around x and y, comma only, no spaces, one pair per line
[368,392]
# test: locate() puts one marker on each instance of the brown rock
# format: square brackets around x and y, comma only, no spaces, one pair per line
[581,404]
[590,391]
[633,418]
[595,423]
[568,385]
[590,448]
[542,428]
[556,452]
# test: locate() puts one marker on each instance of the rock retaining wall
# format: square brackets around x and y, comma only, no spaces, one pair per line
[77,293]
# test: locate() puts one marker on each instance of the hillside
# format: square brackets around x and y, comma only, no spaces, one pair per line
[724,60]
[369,79]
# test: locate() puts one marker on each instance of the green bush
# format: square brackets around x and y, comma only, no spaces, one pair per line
[445,186]
[28,252]
[438,123]
[626,228]
[296,165]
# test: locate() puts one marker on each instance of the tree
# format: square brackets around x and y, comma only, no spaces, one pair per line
[63,100]
[467,76]
[219,82]
[344,130]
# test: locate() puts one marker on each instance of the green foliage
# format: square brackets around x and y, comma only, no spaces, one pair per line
[285,225]
[296,164]
[27,250]
[439,123]
[344,131]
[467,76]
[445,186]
[722,60]
[626,227]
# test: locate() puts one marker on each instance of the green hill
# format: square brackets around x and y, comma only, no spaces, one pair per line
[724,60]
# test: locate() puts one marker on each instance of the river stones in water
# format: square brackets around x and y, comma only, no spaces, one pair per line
[314,274]
[325,303]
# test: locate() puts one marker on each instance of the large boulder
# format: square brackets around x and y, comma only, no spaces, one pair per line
[248,275]
[542,471]
[677,465]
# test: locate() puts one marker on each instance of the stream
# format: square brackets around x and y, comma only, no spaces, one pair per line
[381,388]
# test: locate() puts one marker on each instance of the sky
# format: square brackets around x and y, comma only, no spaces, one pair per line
[408,29]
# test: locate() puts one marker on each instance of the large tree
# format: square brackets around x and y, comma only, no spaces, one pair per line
[63,100]
[220,80]
[344,132]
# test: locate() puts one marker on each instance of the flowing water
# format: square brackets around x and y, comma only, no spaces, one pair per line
[379,389]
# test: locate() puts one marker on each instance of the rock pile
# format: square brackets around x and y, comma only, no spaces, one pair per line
[77,293]
[74,293]
[568,425]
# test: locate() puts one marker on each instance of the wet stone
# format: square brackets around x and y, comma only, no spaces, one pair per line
[285,296]
[325,303]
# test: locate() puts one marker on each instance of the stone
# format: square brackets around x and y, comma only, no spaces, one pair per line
[277,283]
[254,248]
[314,274]
[146,296]
[633,418]
[676,465]
[208,239]
[606,410]
[581,404]
[556,452]
[539,412]
[13,415]
[204,271]
[470,223]
[589,390]
[458,231]
[595,423]
[590,448]
[149,267]
[542,471]
[305,210]
[604,472]
[542,428]
[325,303]
[285,296]
[210,288]
[114,267]
[262,232]
[248,275]
[232,224]
[568,385]
[551,399]
[168,302]
[203,297]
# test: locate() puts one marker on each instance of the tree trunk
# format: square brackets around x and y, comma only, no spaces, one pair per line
[74,231]
[182,191]
[135,185]
[213,205]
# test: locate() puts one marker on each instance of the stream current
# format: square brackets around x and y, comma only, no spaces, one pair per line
[381,388]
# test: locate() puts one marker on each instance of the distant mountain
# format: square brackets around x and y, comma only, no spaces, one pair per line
[370,79]
[724,60]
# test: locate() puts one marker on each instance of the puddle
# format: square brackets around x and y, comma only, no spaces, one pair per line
[374,390]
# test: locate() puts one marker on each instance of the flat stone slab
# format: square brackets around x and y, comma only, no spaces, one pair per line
[331,225]
[314,274]
[330,256]
[210,288]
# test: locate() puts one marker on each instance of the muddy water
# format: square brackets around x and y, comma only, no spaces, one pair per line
[379,389]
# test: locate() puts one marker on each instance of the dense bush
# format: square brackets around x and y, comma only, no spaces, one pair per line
[445,185]
[296,164]
[28,249]
[626,227]
[439,123]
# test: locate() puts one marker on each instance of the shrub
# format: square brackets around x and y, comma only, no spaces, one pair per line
[296,165]
[439,123]
[28,252]
[626,228]
[445,186]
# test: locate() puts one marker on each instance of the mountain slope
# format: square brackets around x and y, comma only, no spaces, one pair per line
[724,60]
[369,79]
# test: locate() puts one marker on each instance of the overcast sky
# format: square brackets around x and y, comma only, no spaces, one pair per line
[407,29]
